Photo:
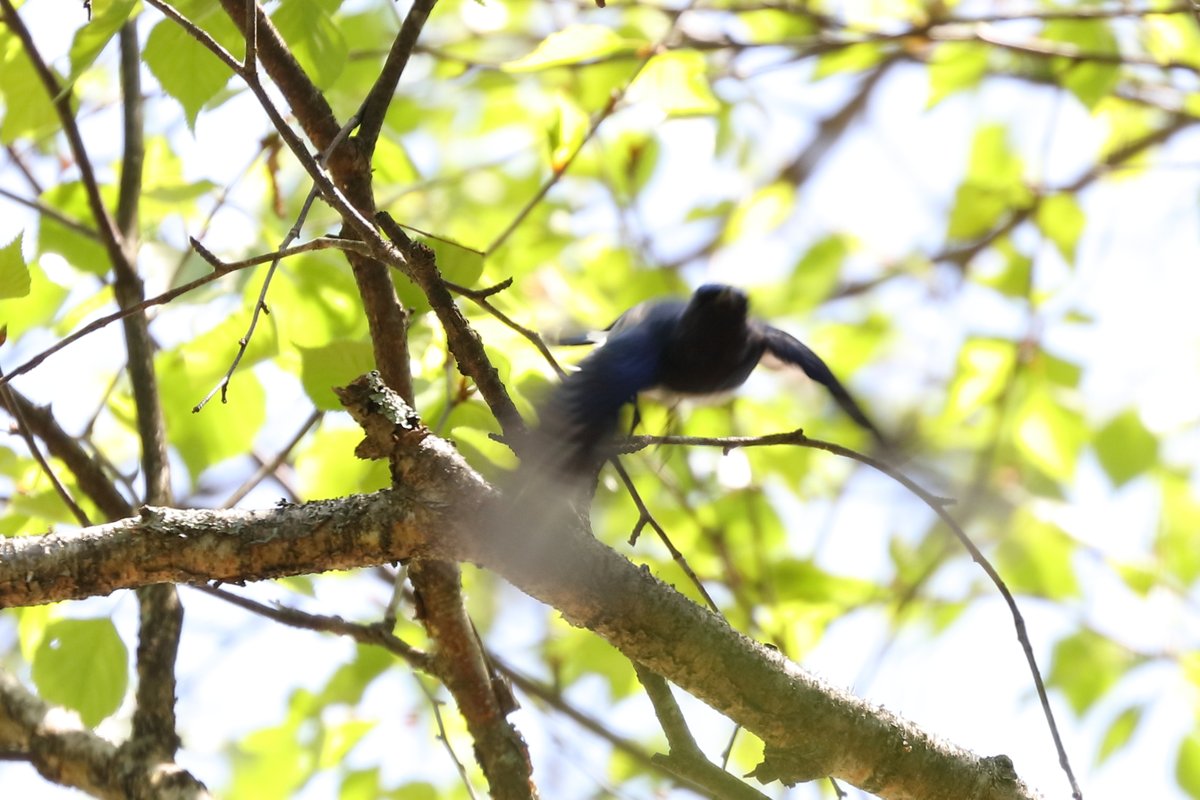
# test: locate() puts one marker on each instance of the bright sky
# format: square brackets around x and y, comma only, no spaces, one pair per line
[1138,276]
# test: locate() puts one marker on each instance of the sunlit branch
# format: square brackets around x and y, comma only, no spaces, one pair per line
[685,758]
[937,504]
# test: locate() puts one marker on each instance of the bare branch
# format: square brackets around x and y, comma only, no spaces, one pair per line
[9,400]
[63,751]
[270,467]
[938,506]
[89,472]
[591,585]
[686,760]
[374,108]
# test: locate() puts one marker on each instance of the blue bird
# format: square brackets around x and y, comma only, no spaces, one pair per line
[674,349]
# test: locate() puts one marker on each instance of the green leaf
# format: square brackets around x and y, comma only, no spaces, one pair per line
[327,467]
[1187,764]
[817,274]
[315,40]
[417,790]
[574,44]
[1011,276]
[81,250]
[82,664]
[1085,666]
[993,185]
[1049,434]
[14,272]
[32,622]
[1057,371]
[773,25]
[1175,545]
[351,679]
[984,368]
[316,301]
[1089,80]
[184,68]
[165,190]
[677,83]
[1061,219]
[333,364]
[27,108]
[581,653]
[854,58]
[955,67]
[566,131]
[1037,558]
[760,213]
[37,308]
[457,263]
[362,784]
[339,738]
[90,39]
[220,430]
[1119,732]
[1125,448]
[803,580]
[271,764]
[393,166]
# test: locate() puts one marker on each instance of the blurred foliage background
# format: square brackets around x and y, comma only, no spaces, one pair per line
[982,215]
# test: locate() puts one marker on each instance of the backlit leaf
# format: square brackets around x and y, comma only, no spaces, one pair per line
[83,665]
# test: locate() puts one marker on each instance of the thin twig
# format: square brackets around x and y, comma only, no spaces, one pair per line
[375,106]
[936,504]
[271,466]
[52,213]
[361,633]
[436,705]
[646,518]
[480,298]
[685,757]
[90,470]
[17,159]
[260,307]
[221,270]
[6,396]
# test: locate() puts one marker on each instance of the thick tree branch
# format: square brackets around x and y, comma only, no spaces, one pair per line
[64,752]
[440,508]
[463,668]
[160,615]
[463,341]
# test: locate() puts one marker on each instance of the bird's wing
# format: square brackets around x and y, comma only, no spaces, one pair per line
[651,311]
[585,407]
[789,349]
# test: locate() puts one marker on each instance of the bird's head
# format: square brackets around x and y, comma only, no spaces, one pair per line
[718,302]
